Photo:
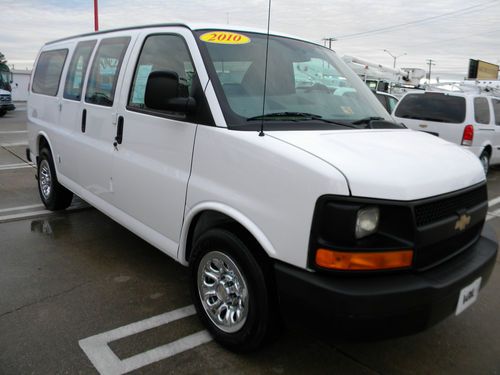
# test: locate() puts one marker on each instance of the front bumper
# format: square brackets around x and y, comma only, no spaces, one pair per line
[7,107]
[380,306]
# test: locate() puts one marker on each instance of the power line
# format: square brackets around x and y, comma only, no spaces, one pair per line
[423,20]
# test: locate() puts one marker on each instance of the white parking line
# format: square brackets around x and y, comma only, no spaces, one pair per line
[24,215]
[493,201]
[7,167]
[13,144]
[20,208]
[13,131]
[106,362]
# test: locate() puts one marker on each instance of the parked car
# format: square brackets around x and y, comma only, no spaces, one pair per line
[469,120]
[296,201]
[387,100]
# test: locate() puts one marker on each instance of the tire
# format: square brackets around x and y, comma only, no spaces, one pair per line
[239,283]
[2,113]
[53,195]
[485,161]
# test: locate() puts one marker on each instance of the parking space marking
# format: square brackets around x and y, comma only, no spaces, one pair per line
[13,131]
[7,167]
[14,144]
[493,201]
[24,215]
[20,208]
[105,360]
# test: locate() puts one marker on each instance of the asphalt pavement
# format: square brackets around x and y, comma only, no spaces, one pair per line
[80,294]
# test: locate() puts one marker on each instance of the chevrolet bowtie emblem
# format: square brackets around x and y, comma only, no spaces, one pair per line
[462,222]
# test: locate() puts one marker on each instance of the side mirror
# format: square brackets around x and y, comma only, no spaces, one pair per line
[165,92]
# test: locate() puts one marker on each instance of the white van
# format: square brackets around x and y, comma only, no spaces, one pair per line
[293,202]
[470,120]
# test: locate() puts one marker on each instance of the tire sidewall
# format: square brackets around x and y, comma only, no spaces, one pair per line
[49,202]
[486,157]
[253,332]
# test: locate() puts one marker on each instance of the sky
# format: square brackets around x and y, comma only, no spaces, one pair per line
[448,31]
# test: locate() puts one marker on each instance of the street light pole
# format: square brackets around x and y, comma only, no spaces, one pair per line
[394,57]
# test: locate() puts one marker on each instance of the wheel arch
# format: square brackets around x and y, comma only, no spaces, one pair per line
[210,215]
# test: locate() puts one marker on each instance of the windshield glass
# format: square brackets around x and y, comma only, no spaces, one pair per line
[305,82]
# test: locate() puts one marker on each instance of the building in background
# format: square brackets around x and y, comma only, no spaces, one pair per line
[20,84]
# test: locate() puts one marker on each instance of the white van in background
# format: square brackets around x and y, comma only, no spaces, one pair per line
[281,197]
[470,120]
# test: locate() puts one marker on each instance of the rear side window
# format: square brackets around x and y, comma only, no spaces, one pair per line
[496,110]
[391,103]
[432,107]
[481,110]
[101,85]
[48,72]
[78,69]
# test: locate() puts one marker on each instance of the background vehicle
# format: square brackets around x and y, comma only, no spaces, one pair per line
[469,120]
[5,90]
[387,100]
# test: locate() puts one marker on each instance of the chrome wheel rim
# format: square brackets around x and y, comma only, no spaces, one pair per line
[45,179]
[223,291]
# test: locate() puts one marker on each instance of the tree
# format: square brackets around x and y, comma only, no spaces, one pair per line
[3,60]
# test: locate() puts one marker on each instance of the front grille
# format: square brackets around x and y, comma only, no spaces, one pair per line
[437,253]
[428,213]
[5,98]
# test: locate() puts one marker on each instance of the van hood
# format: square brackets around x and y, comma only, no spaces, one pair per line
[391,164]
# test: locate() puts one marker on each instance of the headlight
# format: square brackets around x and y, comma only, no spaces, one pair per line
[367,221]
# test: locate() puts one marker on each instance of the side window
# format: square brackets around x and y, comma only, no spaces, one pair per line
[77,70]
[496,110]
[105,71]
[481,110]
[48,72]
[162,53]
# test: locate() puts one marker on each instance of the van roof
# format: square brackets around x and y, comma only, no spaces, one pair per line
[190,26]
[453,93]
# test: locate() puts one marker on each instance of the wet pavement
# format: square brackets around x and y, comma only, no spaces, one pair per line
[67,277]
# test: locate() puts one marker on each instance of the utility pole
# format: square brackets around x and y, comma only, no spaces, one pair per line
[430,62]
[329,40]
[394,57]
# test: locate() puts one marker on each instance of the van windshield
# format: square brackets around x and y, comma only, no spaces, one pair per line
[306,84]
[432,106]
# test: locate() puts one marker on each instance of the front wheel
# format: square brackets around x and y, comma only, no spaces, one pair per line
[485,161]
[231,290]
[54,196]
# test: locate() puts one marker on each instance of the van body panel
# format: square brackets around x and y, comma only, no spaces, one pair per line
[258,176]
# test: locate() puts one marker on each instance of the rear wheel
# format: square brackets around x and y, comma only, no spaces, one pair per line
[54,196]
[231,290]
[2,113]
[485,161]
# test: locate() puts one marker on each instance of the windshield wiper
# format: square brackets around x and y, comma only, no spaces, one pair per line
[300,116]
[367,120]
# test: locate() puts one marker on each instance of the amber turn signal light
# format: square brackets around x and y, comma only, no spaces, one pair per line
[384,260]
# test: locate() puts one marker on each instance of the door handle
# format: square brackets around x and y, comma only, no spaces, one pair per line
[119,132]
[84,120]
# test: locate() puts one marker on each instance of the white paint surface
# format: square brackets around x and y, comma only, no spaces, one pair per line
[20,208]
[14,144]
[6,167]
[106,362]
[13,131]
[493,201]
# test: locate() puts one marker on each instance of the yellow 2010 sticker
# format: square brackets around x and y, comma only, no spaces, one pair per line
[224,37]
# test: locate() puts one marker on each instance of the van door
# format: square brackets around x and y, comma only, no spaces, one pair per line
[71,108]
[153,158]
[485,133]
[98,118]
